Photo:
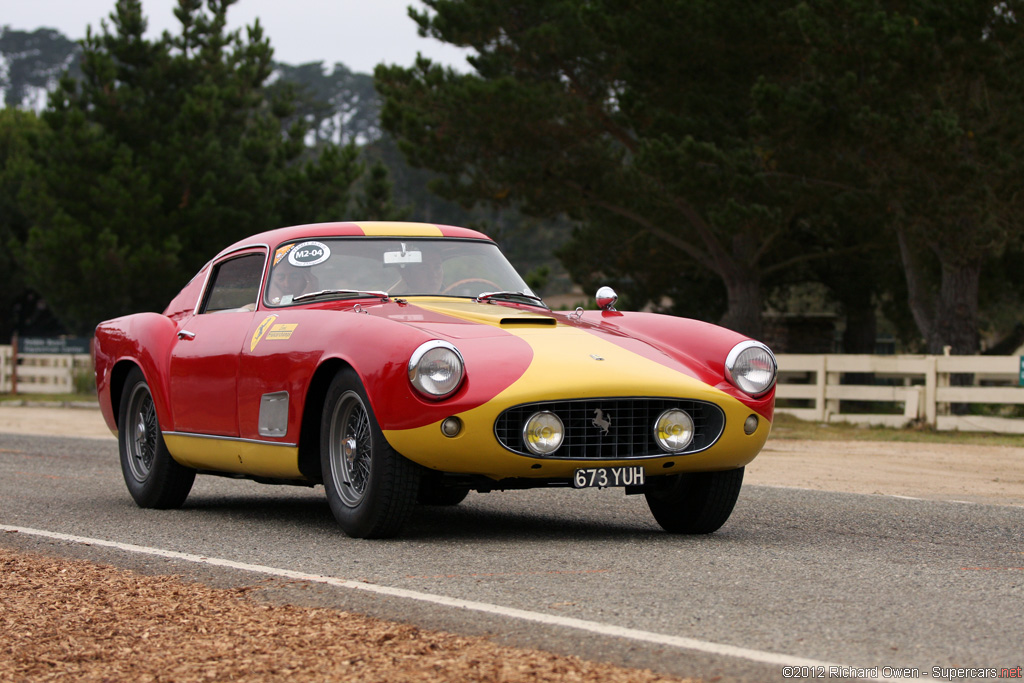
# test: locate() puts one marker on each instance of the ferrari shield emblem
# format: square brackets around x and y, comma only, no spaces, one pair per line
[261,330]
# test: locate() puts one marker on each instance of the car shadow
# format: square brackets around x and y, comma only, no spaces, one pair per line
[462,522]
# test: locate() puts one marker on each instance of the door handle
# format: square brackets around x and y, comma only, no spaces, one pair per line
[186,335]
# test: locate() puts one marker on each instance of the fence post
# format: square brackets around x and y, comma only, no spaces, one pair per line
[819,390]
[930,391]
[14,364]
[832,405]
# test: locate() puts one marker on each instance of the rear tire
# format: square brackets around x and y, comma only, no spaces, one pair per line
[370,487]
[696,502]
[153,478]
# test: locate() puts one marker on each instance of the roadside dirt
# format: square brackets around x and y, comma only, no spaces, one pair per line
[979,474]
[66,619]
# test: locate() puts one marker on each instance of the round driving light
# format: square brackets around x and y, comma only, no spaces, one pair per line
[750,425]
[673,430]
[543,433]
[751,367]
[451,426]
[436,369]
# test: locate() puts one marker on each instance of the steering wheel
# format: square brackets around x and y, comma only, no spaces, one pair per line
[455,285]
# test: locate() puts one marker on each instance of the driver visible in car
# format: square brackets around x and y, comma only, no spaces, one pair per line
[289,281]
[421,278]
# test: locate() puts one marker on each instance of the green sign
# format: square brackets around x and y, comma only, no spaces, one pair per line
[53,345]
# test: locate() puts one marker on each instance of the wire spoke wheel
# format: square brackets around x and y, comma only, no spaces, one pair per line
[142,433]
[370,488]
[351,448]
[153,478]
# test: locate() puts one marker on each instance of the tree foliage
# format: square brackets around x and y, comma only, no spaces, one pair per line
[632,118]
[21,135]
[920,101]
[166,151]
[746,144]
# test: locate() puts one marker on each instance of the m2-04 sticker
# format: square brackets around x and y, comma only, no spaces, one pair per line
[309,254]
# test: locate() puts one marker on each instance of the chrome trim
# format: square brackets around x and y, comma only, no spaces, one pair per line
[185,334]
[273,419]
[606,298]
[711,437]
[693,431]
[231,438]
[526,441]
[417,356]
[734,354]
[219,258]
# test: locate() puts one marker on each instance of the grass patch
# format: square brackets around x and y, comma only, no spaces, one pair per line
[789,427]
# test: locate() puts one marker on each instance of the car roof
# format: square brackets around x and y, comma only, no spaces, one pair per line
[275,237]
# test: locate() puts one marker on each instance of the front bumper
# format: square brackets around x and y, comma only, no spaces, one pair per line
[477,451]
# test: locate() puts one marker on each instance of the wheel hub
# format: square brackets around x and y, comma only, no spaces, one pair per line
[349,447]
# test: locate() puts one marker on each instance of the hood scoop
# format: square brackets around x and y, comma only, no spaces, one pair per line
[522,320]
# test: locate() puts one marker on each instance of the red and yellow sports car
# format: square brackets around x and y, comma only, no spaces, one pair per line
[405,363]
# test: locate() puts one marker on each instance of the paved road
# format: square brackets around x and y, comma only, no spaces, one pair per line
[864,581]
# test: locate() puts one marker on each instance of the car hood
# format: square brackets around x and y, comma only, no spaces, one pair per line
[572,349]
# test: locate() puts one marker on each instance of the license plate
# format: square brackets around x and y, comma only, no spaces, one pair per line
[602,477]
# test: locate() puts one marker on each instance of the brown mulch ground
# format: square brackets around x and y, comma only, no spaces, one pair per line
[64,619]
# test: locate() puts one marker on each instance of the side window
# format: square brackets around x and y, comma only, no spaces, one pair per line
[235,284]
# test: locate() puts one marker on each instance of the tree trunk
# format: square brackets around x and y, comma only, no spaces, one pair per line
[743,309]
[957,323]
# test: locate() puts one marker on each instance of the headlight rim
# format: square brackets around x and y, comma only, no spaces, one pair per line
[734,356]
[661,442]
[530,446]
[414,369]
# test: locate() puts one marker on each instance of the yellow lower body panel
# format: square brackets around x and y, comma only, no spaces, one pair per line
[236,456]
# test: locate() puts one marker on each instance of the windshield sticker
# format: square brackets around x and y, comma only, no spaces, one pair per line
[261,330]
[404,256]
[282,331]
[309,254]
[282,252]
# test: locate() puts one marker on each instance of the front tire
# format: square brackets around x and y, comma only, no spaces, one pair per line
[153,478]
[696,502]
[370,487]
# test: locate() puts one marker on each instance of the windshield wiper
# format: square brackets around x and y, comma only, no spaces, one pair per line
[510,296]
[346,293]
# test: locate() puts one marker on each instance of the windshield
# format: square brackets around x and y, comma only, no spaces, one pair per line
[348,267]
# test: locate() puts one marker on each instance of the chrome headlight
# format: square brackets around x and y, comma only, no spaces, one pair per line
[751,367]
[543,433]
[673,430]
[436,369]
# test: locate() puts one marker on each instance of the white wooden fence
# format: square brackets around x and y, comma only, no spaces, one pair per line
[42,373]
[919,385]
[917,388]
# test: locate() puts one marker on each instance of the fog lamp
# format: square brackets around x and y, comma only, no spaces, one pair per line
[750,425]
[451,426]
[673,430]
[543,433]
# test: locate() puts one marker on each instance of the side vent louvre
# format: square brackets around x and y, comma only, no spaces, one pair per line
[529,321]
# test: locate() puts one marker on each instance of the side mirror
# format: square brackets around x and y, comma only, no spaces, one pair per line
[606,298]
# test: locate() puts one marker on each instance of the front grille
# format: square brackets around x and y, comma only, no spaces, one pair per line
[630,427]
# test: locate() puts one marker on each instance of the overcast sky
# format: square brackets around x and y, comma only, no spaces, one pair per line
[358,33]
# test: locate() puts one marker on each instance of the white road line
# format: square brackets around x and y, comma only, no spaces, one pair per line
[482,607]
